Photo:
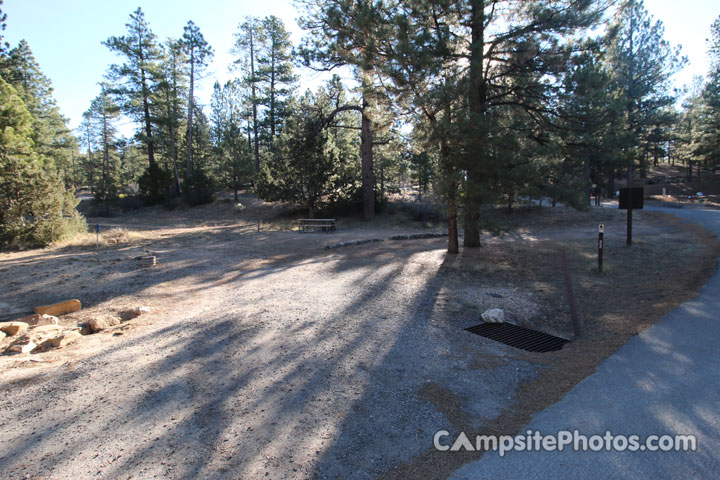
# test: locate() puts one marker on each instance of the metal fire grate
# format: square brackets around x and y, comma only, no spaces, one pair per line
[519,337]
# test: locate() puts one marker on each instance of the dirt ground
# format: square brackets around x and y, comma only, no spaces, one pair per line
[266,355]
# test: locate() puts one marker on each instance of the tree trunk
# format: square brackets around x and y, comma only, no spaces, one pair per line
[106,163]
[188,160]
[588,185]
[366,155]
[451,195]
[173,149]
[611,184]
[272,98]
[154,180]
[477,98]
[628,240]
[254,101]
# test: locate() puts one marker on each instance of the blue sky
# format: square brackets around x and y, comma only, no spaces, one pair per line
[65,36]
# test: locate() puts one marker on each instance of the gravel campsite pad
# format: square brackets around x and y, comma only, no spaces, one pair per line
[266,355]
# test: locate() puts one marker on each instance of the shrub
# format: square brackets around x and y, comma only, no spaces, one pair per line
[423,212]
[199,188]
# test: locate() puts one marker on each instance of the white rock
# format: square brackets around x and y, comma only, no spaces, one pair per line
[494,315]
[23,344]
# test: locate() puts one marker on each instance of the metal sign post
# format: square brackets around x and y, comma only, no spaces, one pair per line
[601,231]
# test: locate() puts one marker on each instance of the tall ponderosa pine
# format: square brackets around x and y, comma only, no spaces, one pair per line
[134,82]
[233,164]
[247,42]
[708,142]
[198,53]
[171,93]
[590,116]
[275,75]
[515,51]
[101,117]
[641,62]
[35,208]
[53,140]
[345,32]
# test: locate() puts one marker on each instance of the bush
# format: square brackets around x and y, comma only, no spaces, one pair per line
[199,188]
[128,203]
[154,184]
[423,212]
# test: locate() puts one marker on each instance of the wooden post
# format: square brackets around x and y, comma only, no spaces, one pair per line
[570,295]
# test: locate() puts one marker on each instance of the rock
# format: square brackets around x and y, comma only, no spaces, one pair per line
[24,344]
[494,315]
[134,313]
[85,329]
[59,308]
[98,324]
[13,328]
[3,335]
[39,319]
[61,340]
[45,330]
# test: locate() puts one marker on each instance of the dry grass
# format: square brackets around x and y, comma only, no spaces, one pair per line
[637,288]
[107,238]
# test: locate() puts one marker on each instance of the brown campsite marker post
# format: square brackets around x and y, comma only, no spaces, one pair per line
[601,231]
[570,295]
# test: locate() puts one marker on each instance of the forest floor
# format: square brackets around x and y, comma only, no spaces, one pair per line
[266,355]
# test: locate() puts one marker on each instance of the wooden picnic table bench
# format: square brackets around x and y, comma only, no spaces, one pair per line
[322,224]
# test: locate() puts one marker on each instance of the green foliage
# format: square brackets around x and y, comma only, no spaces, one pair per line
[708,131]
[232,162]
[275,76]
[35,208]
[198,53]
[51,137]
[99,123]
[641,63]
[306,164]
[134,83]
[156,179]
[199,188]
[422,170]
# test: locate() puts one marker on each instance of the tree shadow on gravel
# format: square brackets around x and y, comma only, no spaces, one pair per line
[228,394]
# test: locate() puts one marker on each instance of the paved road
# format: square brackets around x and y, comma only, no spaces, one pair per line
[664,381]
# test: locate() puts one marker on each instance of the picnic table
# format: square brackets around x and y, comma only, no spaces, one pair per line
[315,224]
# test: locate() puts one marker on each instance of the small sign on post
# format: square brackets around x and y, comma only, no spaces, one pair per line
[601,231]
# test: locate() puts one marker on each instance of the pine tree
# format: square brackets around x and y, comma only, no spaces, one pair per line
[198,53]
[708,141]
[50,134]
[35,208]
[247,43]
[344,32]
[275,75]
[589,114]
[641,62]
[170,94]
[233,164]
[134,83]
[100,117]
